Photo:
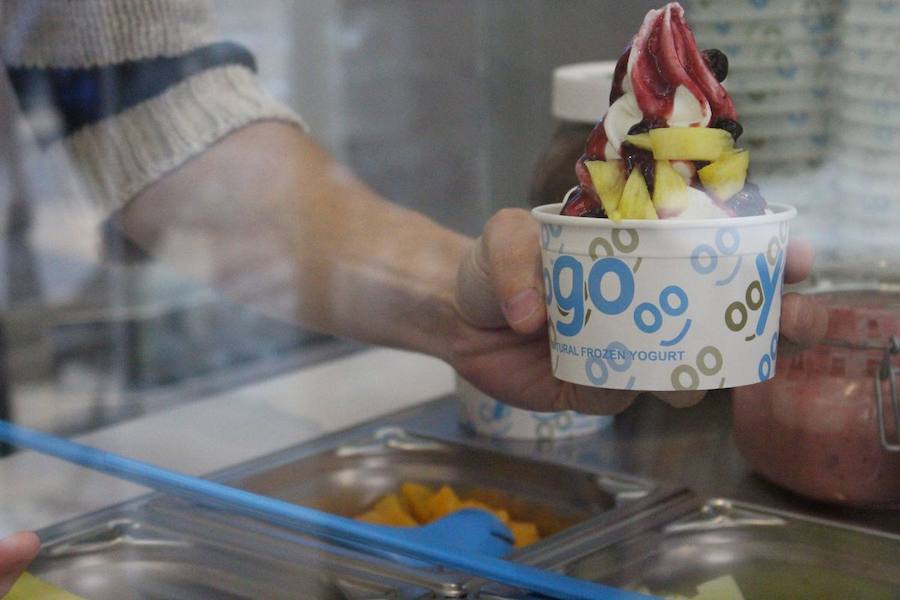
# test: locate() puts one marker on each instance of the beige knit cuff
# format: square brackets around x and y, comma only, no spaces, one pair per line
[120,156]
[88,33]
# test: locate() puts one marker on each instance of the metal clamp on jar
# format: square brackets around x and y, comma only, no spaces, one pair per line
[888,373]
[820,427]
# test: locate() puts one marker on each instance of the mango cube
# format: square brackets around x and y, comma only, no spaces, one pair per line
[417,497]
[389,511]
[428,506]
[443,502]
[524,533]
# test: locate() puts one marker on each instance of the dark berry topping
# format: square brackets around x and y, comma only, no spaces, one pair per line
[645,126]
[638,128]
[595,148]
[616,91]
[748,202]
[718,63]
[638,158]
[732,127]
[582,204]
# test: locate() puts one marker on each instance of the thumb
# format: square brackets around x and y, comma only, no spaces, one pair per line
[499,282]
[16,552]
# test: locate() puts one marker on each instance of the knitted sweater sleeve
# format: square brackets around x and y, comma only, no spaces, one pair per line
[120,154]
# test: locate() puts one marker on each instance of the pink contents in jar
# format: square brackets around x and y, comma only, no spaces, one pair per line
[814,428]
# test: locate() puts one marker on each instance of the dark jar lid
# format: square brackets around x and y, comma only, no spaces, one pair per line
[580,98]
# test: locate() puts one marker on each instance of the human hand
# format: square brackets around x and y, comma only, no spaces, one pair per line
[16,552]
[502,345]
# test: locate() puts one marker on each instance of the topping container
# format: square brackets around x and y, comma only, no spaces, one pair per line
[131,555]
[163,543]
[771,554]
[347,477]
[828,425]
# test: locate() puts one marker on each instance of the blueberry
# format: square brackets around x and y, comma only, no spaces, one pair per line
[718,63]
[645,126]
[638,128]
[748,202]
[732,127]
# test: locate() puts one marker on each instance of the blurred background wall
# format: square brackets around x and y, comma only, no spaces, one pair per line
[442,106]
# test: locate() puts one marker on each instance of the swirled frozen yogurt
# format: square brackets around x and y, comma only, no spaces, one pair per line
[666,147]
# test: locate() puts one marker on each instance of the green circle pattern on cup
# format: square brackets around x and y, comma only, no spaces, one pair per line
[679,372]
[625,241]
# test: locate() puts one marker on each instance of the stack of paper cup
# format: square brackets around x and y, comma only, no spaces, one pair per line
[781,62]
[865,156]
[780,54]
[484,415]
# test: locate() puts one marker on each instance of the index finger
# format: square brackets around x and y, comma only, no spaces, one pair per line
[800,259]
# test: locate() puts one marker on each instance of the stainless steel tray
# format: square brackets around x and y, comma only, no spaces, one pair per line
[347,477]
[773,555]
[345,473]
[188,551]
[128,558]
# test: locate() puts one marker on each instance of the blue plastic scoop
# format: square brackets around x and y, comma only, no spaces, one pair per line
[445,542]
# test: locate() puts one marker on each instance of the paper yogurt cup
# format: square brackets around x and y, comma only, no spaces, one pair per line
[766,103]
[714,11]
[791,29]
[665,304]
[777,54]
[788,77]
[489,417]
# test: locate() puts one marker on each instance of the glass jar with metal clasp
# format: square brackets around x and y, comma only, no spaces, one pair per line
[828,425]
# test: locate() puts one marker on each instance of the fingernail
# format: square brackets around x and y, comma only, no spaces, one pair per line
[521,306]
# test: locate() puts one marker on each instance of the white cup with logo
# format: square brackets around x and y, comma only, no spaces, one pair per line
[662,305]
[489,417]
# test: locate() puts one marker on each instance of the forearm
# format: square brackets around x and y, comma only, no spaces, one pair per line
[369,269]
[273,221]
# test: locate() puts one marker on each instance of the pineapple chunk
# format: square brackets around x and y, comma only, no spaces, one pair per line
[690,143]
[670,195]
[640,140]
[609,181]
[721,587]
[30,587]
[726,177]
[636,202]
